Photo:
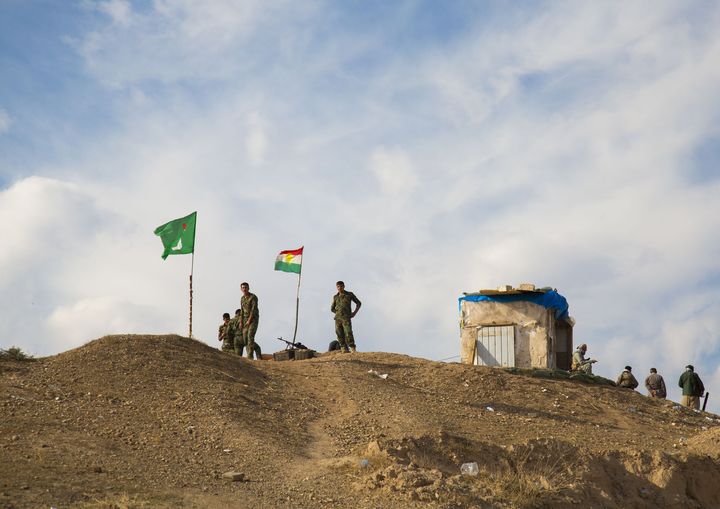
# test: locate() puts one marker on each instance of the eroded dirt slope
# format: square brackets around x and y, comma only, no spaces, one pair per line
[154,421]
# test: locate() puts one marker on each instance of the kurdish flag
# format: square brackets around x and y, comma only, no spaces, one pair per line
[178,235]
[289,261]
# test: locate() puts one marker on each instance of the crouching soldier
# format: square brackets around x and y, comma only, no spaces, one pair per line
[227,341]
[579,363]
[626,379]
[235,332]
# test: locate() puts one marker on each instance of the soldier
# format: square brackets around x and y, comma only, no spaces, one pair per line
[692,387]
[250,316]
[235,332]
[223,333]
[580,363]
[655,385]
[341,306]
[627,379]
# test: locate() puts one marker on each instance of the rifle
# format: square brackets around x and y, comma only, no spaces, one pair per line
[290,345]
[705,402]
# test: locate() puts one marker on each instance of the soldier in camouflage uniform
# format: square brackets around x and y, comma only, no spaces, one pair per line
[249,318]
[227,342]
[343,314]
[235,332]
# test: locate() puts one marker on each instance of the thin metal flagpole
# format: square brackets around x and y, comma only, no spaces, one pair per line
[297,304]
[192,267]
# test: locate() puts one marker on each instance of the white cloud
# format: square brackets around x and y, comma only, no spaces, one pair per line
[46,217]
[89,318]
[256,142]
[175,40]
[5,121]
[119,11]
[394,171]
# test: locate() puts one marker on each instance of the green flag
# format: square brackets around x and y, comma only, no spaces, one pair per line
[178,236]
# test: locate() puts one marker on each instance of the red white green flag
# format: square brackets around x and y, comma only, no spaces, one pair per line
[289,261]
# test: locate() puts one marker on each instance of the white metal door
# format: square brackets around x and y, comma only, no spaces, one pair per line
[496,345]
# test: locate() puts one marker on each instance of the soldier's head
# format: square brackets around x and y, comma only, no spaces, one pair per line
[690,367]
[245,288]
[238,311]
[583,348]
[340,286]
[226,316]
[628,368]
[653,370]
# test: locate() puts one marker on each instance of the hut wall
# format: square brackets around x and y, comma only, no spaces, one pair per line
[533,329]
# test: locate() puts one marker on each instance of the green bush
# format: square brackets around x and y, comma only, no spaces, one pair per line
[15,353]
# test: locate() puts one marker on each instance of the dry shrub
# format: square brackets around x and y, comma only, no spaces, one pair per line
[123,501]
[526,481]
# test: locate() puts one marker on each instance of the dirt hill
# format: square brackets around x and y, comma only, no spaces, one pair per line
[155,421]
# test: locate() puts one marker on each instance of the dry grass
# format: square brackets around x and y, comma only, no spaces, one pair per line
[527,481]
[123,501]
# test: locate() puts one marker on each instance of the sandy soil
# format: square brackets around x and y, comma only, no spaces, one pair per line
[155,421]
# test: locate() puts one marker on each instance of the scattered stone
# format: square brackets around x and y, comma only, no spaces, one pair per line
[469,469]
[234,476]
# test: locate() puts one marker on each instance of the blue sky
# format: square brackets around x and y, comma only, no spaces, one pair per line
[417,150]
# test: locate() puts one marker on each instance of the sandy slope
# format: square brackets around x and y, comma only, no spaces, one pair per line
[154,421]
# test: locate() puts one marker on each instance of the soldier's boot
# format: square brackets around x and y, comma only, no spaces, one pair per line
[352,349]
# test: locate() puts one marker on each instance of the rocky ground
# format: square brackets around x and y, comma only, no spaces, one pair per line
[163,421]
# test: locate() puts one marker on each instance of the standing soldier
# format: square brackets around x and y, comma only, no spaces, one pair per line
[655,385]
[341,306]
[627,379]
[223,333]
[235,332]
[249,318]
[692,388]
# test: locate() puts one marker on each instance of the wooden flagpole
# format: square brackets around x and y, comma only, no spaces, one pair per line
[192,266]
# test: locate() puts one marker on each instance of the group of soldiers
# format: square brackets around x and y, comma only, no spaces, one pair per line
[692,387]
[238,333]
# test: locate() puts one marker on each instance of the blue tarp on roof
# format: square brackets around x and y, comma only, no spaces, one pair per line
[550,299]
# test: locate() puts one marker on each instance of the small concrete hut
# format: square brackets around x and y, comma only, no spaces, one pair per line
[525,327]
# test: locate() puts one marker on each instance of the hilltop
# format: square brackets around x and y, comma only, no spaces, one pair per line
[155,421]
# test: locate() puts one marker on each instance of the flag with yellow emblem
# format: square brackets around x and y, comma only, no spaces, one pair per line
[289,261]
